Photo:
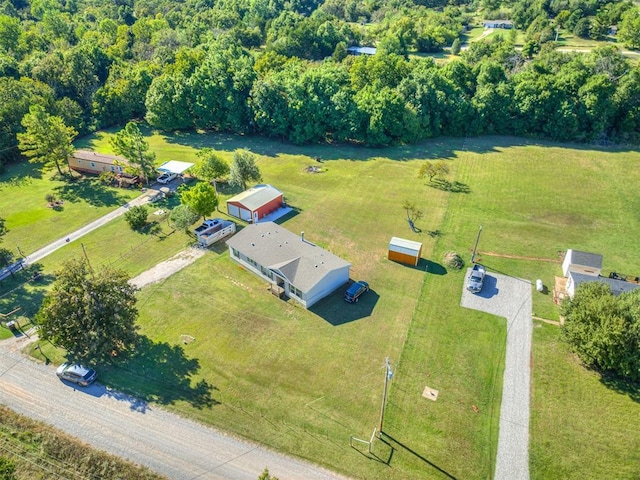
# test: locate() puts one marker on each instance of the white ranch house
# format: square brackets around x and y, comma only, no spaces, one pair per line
[292,265]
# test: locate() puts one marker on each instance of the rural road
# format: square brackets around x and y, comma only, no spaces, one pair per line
[144,434]
[124,426]
[61,242]
[510,297]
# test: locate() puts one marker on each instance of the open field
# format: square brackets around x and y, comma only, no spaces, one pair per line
[581,428]
[23,189]
[305,381]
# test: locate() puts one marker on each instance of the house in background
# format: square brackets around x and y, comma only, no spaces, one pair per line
[506,24]
[86,161]
[580,267]
[256,203]
[404,251]
[361,50]
[293,266]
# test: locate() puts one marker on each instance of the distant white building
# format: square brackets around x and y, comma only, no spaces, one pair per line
[362,50]
[506,24]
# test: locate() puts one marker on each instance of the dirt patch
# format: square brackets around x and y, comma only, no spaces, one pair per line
[520,257]
[167,268]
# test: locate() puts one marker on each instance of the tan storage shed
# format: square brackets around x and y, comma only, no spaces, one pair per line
[405,251]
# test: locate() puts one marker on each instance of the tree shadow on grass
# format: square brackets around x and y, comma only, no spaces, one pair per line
[26,289]
[434,268]
[90,190]
[632,390]
[162,373]
[434,148]
[447,186]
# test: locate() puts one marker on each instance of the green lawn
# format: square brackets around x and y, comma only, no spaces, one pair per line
[23,188]
[581,428]
[305,381]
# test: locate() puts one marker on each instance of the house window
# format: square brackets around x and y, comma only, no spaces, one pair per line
[93,164]
[295,291]
[112,169]
[235,253]
[252,262]
[120,169]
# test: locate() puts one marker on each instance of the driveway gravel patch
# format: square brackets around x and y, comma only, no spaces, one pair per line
[510,297]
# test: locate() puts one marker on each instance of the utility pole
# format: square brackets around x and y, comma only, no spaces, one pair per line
[387,376]
[475,247]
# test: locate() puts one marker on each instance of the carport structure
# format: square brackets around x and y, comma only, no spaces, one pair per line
[174,166]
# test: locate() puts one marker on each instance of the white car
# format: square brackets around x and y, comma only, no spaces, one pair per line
[166,177]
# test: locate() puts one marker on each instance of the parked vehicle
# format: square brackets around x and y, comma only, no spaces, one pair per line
[476,279]
[75,373]
[166,177]
[355,291]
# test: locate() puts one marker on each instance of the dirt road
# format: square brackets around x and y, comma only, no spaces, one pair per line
[142,433]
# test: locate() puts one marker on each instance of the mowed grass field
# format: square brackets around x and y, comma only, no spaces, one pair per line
[305,381]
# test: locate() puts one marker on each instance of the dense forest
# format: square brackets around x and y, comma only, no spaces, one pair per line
[281,68]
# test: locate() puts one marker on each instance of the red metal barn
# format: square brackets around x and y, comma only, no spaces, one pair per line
[405,251]
[256,203]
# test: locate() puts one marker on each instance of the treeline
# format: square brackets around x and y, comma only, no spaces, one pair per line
[280,68]
[385,99]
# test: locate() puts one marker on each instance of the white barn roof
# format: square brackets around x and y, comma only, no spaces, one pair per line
[255,197]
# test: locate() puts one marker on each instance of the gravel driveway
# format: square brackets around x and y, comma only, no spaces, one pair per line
[510,297]
[131,429]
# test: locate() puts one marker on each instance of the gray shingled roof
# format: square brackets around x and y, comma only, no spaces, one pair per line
[273,246]
[257,196]
[586,259]
[617,286]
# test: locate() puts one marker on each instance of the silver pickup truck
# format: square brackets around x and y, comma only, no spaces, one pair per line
[476,278]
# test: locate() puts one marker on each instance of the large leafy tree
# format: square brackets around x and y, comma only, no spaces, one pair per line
[220,88]
[90,314]
[167,103]
[244,169]
[130,143]
[629,29]
[47,139]
[201,198]
[604,330]
[211,166]
[182,217]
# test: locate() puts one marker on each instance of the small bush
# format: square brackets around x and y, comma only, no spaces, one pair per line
[453,260]
[136,217]
[7,469]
